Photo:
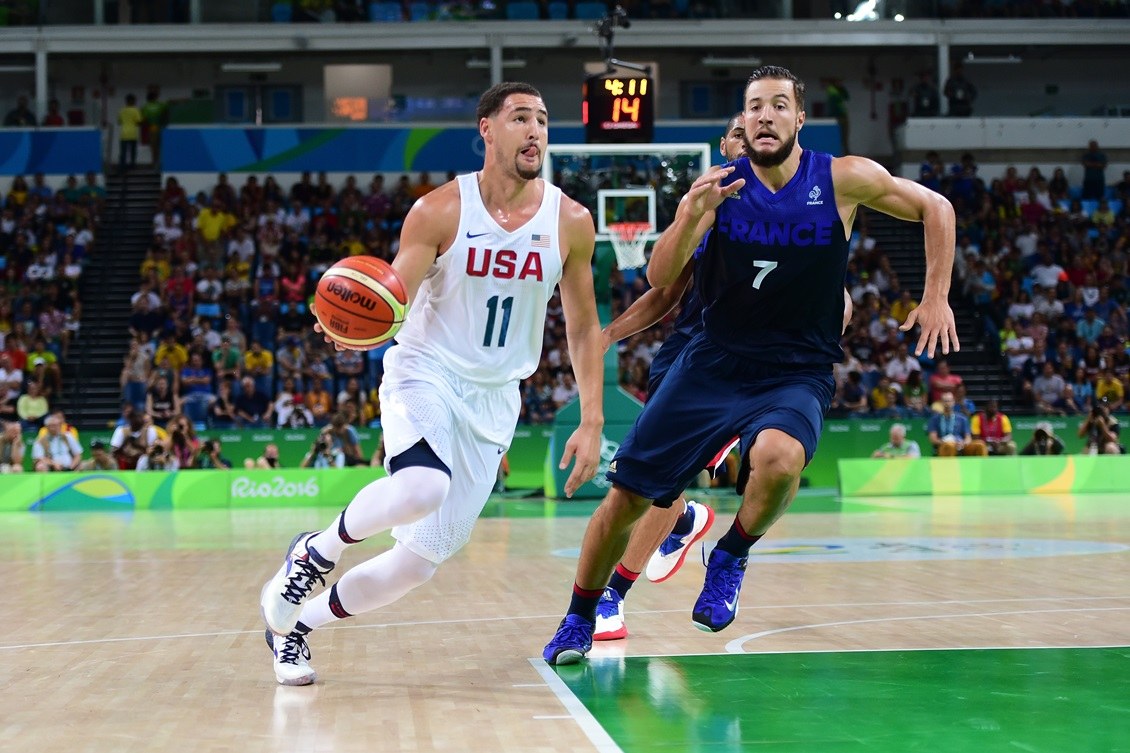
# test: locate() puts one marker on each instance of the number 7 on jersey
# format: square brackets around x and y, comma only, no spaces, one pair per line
[766,267]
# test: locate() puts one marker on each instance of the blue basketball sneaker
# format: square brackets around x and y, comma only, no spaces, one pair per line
[610,624]
[717,605]
[572,641]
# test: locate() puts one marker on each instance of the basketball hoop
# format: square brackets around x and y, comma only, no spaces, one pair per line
[629,239]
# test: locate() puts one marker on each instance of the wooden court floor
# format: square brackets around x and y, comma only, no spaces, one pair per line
[140,631]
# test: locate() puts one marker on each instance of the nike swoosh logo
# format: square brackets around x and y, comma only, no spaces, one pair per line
[501,450]
[730,605]
[477,235]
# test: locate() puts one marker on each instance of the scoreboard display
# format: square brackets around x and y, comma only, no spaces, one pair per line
[619,109]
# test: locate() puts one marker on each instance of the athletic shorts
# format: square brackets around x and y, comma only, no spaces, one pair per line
[707,397]
[669,353]
[468,426]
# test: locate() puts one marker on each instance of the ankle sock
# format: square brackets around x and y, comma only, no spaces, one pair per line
[622,580]
[736,541]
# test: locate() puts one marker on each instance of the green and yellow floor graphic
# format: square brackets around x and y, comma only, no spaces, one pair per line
[1066,700]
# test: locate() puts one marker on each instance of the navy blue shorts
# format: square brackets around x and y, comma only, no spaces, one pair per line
[707,397]
[668,353]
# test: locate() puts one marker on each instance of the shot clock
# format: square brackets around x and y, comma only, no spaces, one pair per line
[619,109]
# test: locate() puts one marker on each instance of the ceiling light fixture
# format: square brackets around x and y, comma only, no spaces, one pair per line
[479,63]
[712,61]
[972,59]
[251,67]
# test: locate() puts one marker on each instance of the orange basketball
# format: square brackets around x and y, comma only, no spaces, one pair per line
[360,302]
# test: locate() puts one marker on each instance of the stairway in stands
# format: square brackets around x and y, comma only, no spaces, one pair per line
[979,362]
[91,395]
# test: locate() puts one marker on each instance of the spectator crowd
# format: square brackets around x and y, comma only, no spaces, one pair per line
[46,238]
[220,335]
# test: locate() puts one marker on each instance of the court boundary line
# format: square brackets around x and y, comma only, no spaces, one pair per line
[772,652]
[580,713]
[412,623]
[736,645]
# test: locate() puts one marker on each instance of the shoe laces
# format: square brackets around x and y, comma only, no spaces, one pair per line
[294,647]
[303,575]
[723,580]
[574,633]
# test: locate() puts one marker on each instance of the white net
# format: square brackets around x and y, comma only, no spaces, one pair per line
[629,241]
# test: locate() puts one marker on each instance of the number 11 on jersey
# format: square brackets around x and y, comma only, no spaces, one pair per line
[492,313]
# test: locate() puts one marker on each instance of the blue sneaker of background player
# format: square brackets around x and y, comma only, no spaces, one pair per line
[717,605]
[610,624]
[572,641]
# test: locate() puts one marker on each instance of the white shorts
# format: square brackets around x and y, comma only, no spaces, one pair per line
[468,426]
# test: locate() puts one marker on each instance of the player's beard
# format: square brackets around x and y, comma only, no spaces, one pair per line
[773,158]
[527,173]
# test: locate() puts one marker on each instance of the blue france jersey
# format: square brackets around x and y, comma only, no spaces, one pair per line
[772,273]
[689,320]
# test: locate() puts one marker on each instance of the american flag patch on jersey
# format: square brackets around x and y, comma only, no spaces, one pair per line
[538,240]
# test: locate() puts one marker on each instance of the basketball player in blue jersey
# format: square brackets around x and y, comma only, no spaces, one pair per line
[480,258]
[771,279]
[660,540]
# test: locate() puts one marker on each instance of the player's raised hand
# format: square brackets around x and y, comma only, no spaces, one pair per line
[935,317]
[583,447]
[707,192]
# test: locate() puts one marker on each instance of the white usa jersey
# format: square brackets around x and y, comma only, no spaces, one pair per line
[480,310]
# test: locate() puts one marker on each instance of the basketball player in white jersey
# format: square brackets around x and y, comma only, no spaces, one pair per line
[480,257]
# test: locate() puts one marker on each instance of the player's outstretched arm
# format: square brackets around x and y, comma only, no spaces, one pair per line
[582,329]
[862,181]
[646,310]
[694,216]
[429,227]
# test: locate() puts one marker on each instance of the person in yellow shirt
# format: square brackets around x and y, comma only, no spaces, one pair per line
[156,260]
[1109,390]
[172,350]
[64,427]
[902,307]
[129,131]
[352,245]
[213,223]
[884,397]
[371,410]
[259,364]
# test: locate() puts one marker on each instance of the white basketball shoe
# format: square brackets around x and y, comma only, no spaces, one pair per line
[292,659]
[283,595]
[669,557]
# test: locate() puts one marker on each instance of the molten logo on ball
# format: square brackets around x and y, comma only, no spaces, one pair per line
[351,296]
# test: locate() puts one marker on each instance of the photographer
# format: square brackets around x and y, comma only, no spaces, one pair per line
[345,439]
[342,438]
[132,440]
[157,458]
[1101,431]
[100,459]
[269,459]
[11,448]
[210,456]
[1044,441]
[323,453]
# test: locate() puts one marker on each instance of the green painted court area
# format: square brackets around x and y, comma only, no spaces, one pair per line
[1074,700]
